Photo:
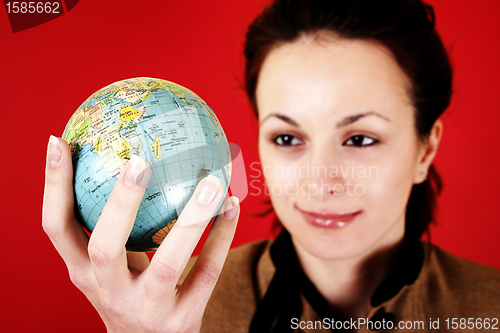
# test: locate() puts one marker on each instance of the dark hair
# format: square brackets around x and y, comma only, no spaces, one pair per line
[405,27]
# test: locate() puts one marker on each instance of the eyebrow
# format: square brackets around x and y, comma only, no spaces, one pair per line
[282,117]
[351,119]
[344,122]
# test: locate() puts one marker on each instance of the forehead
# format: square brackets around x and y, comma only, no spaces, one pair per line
[331,75]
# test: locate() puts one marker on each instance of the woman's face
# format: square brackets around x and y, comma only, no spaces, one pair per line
[335,116]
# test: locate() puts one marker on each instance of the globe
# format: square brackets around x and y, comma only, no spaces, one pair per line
[167,125]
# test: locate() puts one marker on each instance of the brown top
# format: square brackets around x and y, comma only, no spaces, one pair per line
[446,287]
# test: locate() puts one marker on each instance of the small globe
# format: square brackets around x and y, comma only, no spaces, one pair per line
[167,125]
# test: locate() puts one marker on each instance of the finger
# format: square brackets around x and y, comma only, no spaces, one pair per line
[173,254]
[107,242]
[58,219]
[200,282]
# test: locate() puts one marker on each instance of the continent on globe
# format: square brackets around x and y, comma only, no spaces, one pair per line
[167,125]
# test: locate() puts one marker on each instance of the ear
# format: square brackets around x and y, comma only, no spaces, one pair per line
[428,151]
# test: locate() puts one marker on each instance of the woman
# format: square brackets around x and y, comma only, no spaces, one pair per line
[351,92]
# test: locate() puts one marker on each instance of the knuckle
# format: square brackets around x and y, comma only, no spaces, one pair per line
[190,214]
[193,216]
[98,255]
[49,228]
[225,231]
[208,272]
[52,178]
[112,307]
[119,201]
[79,280]
[165,271]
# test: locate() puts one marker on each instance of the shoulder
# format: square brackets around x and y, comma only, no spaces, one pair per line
[462,284]
[243,259]
[461,272]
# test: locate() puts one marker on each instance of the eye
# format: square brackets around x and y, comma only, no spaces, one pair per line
[360,141]
[286,140]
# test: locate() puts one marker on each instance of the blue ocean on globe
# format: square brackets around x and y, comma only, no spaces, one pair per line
[167,125]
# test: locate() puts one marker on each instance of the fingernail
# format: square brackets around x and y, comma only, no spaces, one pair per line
[231,207]
[134,175]
[209,189]
[54,151]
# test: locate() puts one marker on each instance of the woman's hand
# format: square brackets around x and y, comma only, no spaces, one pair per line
[129,294]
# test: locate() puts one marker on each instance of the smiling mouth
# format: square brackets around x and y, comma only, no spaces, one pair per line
[329,221]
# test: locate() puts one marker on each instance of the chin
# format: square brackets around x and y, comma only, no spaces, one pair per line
[354,239]
[328,248]
[328,243]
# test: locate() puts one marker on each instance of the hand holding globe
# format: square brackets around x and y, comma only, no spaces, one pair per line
[130,293]
[167,125]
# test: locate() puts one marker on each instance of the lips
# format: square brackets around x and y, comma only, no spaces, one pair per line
[329,221]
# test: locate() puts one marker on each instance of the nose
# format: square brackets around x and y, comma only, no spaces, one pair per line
[324,177]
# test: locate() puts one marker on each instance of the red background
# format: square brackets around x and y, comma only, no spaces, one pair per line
[49,70]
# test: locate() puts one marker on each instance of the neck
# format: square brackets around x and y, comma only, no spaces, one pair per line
[348,284]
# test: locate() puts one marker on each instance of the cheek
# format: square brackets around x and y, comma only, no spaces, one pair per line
[281,182]
[279,176]
[388,185]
